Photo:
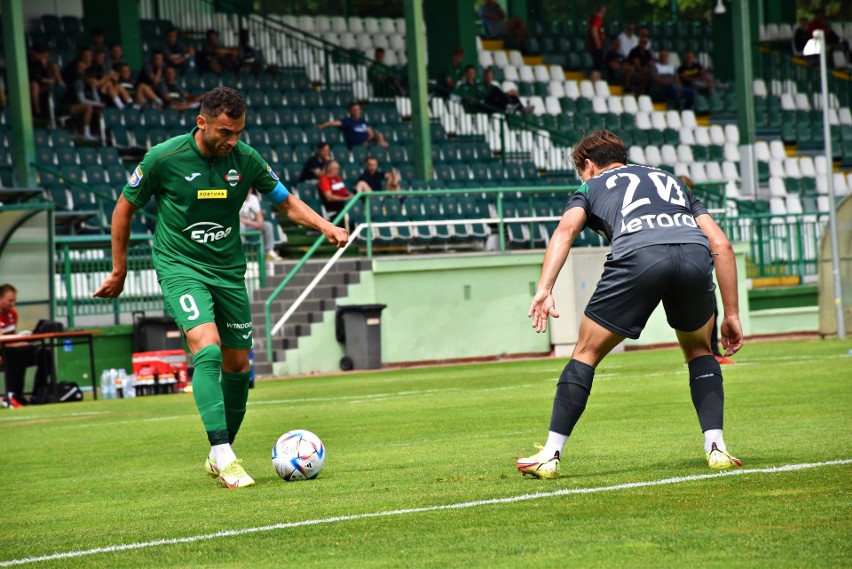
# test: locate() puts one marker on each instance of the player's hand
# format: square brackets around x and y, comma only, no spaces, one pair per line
[732,335]
[337,236]
[542,306]
[111,287]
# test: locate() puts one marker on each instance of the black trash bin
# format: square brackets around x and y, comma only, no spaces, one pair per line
[359,327]
[155,333]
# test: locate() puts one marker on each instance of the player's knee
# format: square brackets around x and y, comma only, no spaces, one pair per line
[209,354]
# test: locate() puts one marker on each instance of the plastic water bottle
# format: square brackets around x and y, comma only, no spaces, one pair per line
[128,386]
[113,375]
[105,378]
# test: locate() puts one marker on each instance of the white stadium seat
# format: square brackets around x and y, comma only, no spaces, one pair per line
[599,105]
[636,155]
[714,171]
[684,154]
[630,104]
[653,156]
[615,105]
[556,89]
[572,90]
[668,155]
[484,59]
[557,73]
[500,59]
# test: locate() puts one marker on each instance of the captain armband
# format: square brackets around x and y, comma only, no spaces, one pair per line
[278,194]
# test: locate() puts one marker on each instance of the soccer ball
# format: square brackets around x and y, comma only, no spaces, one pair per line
[298,455]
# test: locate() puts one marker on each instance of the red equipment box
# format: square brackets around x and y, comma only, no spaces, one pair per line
[163,371]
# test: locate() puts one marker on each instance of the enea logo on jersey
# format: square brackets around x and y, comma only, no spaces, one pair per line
[207,232]
[233,177]
[271,172]
[136,177]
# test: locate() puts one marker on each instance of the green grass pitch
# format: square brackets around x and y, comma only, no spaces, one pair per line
[127,475]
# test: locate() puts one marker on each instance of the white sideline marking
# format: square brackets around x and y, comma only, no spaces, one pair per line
[457,506]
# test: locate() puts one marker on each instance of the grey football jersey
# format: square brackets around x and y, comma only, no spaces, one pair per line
[637,206]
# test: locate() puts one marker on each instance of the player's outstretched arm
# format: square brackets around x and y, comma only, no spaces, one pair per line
[121,218]
[543,305]
[726,274]
[299,212]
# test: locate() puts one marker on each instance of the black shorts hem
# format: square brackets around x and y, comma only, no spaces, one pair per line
[611,327]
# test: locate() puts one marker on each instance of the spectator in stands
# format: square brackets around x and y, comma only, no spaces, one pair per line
[172,94]
[97,40]
[152,75]
[666,86]
[313,168]
[468,91]
[355,129]
[714,331]
[616,64]
[108,83]
[638,76]
[597,38]
[73,70]
[383,79]
[247,56]
[801,36]
[44,75]
[332,189]
[141,93]
[372,179]
[628,39]
[497,26]
[20,355]
[251,219]
[217,59]
[645,32]
[175,53]
[452,76]
[693,75]
[82,100]
[494,97]
[116,56]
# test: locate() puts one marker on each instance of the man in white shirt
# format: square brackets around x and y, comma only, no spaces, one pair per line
[251,219]
[666,86]
[628,39]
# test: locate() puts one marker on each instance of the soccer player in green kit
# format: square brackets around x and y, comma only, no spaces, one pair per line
[200,181]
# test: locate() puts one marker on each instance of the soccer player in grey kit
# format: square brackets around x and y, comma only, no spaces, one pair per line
[664,248]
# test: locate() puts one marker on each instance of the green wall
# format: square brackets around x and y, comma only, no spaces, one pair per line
[438,308]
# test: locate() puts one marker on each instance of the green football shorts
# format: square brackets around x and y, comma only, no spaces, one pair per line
[192,302]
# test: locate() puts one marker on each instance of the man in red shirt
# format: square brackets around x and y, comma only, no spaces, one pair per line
[19,355]
[333,189]
[597,38]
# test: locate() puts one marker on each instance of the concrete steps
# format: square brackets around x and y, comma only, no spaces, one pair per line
[322,299]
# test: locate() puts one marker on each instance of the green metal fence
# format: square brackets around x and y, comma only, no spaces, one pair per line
[779,245]
[83,262]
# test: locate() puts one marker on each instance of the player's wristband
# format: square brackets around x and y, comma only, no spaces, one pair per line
[278,194]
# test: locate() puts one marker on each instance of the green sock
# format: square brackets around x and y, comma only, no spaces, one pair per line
[235,390]
[208,394]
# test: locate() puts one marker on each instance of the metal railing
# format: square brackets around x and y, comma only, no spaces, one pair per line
[779,245]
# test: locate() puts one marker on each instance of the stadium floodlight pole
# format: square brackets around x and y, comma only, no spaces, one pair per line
[816,45]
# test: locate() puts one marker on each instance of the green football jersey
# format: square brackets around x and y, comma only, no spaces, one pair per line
[198,207]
